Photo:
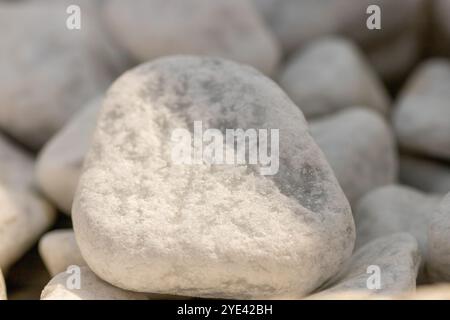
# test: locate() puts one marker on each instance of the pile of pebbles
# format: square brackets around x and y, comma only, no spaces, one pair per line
[88,187]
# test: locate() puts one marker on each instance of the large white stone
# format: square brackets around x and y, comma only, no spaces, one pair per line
[59,250]
[91,288]
[425,174]
[395,257]
[59,164]
[49,71]
[438,266]
[24,214]
[229,29]
[220,231]
[360,148]
[329,75]
[421,116]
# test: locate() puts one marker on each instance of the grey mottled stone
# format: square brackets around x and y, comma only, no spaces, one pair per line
[25,215]
[421,116]
[48,71]
[438,266]
[59,250]
[360,148]
[425,174]
[92,288]
[207,231]
[398,259]
[229,29]
[59,164]
[329,75]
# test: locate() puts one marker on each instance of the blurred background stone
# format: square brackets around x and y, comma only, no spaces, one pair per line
[398,258]
[421,117]
[428,175]
[60,161]
[230,29]
[330,75]
[47,71]
[59,250]
[360,148]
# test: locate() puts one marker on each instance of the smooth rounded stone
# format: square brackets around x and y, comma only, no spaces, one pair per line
[222,231]
[91,288]
[2,287]
[59,163]
[393,209]
[59,250]
[329,75]
[229,29]
[64,69]
[398,259]
[297,22]
[25,215]
[438,266]
[352,20]
[360,148]
[428,175]
[421,116]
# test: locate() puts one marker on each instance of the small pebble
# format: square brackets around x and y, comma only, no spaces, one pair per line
[297,22]
[59,164]
[393,209]
[59,250]
[425,174]
[329,75]
[47,68]
[91,288]
[230,29]
[397,258]
[360,148]
[421,116]
[25,215]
